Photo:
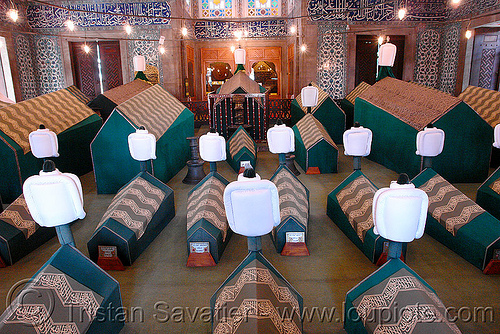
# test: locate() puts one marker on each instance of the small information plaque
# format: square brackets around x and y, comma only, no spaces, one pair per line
[386,247]
[295,237]
[107,251]
[199,247]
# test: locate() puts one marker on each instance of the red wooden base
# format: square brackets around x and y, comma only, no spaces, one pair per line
[200,260]
[242,169]
[110,263]
[295,249]
[313,170]
[383,259]
[493,268]
[2,264]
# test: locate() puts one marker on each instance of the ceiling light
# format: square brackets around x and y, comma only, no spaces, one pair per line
[303,48]
[184,31]
[293,30]
[161,49]
[402,13]
[233,48]
[128,29]
[70,25]
[13,14]
[86,48]
[380,40]
[468,34]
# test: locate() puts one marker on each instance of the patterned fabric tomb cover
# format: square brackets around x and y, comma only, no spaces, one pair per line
[53,303]
[78,94]
[4,104]
[417,106]
[356,200]
[240,80]
[293,196]
[207,202]
[419,309]
[122,93]
[312,132]
[155,108]
[484,101]
[260,296]
[18,215]
[450,207]
[58,111]
[322,96]
[241,139]
[495,186]
[135,205]
[351,97]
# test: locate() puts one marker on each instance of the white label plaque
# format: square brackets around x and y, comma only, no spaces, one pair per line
[199,247]
[245,164]
[295,237]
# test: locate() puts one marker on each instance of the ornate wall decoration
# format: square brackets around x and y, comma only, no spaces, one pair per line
[25,66]
[48,65]
[40,16]
[210,30]
[427,63]
[449,61]
[268,8]
[376,10]
[471,7]
[331,71]
[145,47]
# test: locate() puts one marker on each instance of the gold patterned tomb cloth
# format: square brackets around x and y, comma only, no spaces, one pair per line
[154,108]
[351,97]
[484,101]
[450,207]
[135,205]
[415,105]
[208,202]
[122,93]
[495,186]
[322,96]
[356,200]
[241,139]
[292,196]
[312,132]
[18,215]
[58,111]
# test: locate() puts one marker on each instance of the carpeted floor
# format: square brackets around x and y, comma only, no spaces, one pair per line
[162,295]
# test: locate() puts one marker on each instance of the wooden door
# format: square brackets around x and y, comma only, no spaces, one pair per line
[85,69]
[111,64]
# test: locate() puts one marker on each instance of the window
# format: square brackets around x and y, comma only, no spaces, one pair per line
[263,7]
[216,8]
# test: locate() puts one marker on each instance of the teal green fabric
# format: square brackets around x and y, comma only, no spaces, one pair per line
[74,157]
[112,233]
[487,198]
[204,231]
[243,154]
[73,263]
[467,147]
[113,164]
[352,322]
[385,71]
[141,75]
[373,244]
[240,67]
[348,109]
[474,241]
[321,155]
[329,114]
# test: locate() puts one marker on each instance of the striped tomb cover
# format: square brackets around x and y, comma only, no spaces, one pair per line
[241,139]
[122,93]
[450,207]
[58,111]
[356,201]
[415,105]
[78,94]
[207,202]
[417,309]
[312,132]
[256,299]
[135,205]
[351,97]
[322,96]
[484,101]
[292,195]
[53,303]
[4,104]
[18,215]
[155,108]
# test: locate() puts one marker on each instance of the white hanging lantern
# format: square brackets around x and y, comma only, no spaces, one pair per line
[387,54]
[239,56]
[139,63]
